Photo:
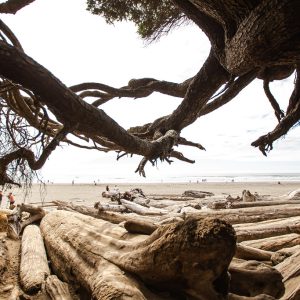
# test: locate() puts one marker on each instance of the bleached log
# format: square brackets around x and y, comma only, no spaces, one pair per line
[251,253]
[56,289]
[251,231]
[290,270]
[92,252]
[275,243]
[14,295]
[253,214]
[109,216]
[141,210]
[34,265]
[141,201]
[141,227]
[262,203]
[8,212]
[252,278]
[110,207]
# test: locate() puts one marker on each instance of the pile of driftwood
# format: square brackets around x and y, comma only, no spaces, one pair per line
[160,247]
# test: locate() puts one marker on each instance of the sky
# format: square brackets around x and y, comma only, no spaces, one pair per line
[79,47]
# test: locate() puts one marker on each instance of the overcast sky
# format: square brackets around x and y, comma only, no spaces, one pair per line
[79,47]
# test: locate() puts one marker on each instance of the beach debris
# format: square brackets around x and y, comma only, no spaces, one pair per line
[142,210]
[141,227]
[34,264]
[248,197]
[197,194]
[185,244]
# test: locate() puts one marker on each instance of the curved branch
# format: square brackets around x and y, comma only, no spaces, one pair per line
[277,110]
[12,6]
[67,106]
[265,142]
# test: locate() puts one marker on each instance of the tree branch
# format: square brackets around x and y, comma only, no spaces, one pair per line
[12,6]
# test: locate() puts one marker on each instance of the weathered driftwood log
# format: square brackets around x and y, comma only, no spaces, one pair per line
[275,243]
[56,289]
[34,265]
[251,253]
[268,228]
[196,194]
[290,270]
[141,201]
[3,257]
[190,256]
[7,212]
[110,216]
[262,203]
[142,227]
[142,210]
[14,295]
[289,251]
[110,207]
[253,214]
[252,278]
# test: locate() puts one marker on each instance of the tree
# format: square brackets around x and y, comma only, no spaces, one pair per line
[249,39]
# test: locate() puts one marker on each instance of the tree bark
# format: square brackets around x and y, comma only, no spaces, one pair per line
[34,265]
[185,257]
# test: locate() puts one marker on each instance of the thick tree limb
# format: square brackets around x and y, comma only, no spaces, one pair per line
[13,6]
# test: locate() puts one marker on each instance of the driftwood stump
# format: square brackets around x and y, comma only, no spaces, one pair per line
[189,257]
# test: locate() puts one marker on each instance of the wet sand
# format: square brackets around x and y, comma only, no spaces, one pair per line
[90,193]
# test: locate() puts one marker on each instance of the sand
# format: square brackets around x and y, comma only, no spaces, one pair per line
[88,193]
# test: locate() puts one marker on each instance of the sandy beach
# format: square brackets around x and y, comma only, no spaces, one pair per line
[89,193]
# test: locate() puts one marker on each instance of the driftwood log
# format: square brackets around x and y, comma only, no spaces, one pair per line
[252,214]
[189,257]
[251,253]
[290,270]
[258,297]
[141,227]
[252,278]
[142,210]
[262,203]
[268,228]
[275,243]
[34,265]
[197,194]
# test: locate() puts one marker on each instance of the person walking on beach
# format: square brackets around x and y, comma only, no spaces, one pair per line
[11,200]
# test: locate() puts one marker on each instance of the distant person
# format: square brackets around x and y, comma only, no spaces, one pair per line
[72,182]
[1,196]
[11,200]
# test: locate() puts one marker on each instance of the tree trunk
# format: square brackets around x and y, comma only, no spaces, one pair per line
[185,257]
[34,265]
[266,229]
[251,278]
[290,270]
[275,243]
